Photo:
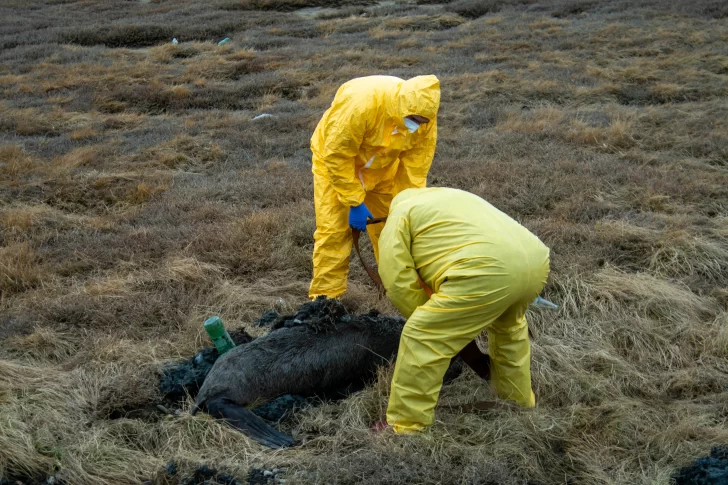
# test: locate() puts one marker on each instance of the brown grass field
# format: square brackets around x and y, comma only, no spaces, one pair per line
[138,197]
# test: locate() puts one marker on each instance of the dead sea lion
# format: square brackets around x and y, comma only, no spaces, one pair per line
[320,351]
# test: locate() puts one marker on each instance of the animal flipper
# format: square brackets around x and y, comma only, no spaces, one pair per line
[248,422]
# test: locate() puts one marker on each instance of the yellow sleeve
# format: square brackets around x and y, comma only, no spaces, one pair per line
[414,164]
[397,269]
[344,135]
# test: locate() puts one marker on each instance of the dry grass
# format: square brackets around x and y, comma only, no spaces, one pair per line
[20,269]
[138,196]
[15,162]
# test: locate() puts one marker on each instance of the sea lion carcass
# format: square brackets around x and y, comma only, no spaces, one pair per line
[320,351]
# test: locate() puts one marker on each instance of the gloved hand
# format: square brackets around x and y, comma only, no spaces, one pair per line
[358,217]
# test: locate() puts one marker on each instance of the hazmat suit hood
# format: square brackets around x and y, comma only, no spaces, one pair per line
[417,96]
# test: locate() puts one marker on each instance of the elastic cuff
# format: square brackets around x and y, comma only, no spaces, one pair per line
[411,429]
[329,296]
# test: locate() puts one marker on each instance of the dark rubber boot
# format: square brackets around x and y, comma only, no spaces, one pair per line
[476,360]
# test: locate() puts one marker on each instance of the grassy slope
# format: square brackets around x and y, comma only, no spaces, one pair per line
[137,197]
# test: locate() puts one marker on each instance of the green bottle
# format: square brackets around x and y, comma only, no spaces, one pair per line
[220,337]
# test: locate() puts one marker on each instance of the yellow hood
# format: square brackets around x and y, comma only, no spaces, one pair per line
[417,96]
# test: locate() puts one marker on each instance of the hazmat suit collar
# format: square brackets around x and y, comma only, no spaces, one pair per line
[409,194]
[419,95]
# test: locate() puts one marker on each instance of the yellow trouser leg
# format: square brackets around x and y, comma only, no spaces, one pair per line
[508,344]
[510,356]
[332,242]
[378,205]
[416,382]
[432,336]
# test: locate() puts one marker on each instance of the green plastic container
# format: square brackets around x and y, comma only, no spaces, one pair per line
[219,336]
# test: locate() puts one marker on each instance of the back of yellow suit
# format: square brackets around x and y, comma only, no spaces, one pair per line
[363,153]
[484,269]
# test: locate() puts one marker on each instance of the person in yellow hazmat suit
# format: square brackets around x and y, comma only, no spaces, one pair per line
[484,269]
[377,138]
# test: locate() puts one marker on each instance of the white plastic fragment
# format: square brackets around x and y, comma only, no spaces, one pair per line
[280,304]
[264,115]
[175,41]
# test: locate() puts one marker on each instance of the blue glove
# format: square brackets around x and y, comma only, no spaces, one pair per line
[358,217]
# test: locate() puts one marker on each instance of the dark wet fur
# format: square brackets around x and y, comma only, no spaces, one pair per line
[283,407]
[708,470]
[320,351]
[186,378]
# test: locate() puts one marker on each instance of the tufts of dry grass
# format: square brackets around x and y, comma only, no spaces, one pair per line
[20,269]
[15,162]
[184,152]
[45,344]
[671,253]
[83,133]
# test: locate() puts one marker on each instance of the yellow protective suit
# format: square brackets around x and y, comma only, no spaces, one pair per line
[484,269]
[362,152]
